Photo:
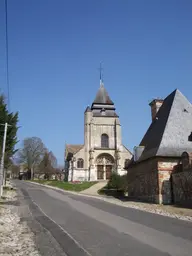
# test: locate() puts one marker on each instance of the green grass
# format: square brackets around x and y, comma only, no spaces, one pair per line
[67,185]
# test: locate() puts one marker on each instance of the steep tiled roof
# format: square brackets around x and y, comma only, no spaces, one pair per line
[102,97]
[168,133]
[71,148]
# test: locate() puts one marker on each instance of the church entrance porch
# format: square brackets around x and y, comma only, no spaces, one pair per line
[104,163]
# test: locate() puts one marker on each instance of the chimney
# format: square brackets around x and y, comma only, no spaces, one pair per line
[155,106]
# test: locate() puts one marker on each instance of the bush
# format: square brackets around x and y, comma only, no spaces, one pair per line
[117,182]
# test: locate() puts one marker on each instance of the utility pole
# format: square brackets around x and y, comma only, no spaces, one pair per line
[2,159]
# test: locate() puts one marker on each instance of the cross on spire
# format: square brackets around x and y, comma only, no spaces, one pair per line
[101,74]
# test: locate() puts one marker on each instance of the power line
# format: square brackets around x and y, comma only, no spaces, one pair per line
[7,56]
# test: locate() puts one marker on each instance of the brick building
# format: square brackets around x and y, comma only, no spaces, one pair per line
[168,136]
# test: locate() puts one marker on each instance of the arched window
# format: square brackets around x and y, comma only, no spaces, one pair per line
[80,163]
[104,141]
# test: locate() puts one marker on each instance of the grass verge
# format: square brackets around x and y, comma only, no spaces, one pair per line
[77,187]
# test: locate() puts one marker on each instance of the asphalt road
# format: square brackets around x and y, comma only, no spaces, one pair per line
[86,226]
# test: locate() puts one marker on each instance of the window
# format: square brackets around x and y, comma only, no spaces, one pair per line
[104,141]
[103,112]
[80,163]
[190,137]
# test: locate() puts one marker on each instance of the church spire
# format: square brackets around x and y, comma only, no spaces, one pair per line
[103,105]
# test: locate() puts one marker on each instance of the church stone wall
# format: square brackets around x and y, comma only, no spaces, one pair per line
[99,130]
[78,175]
[104,120]
[102,125]
[125,154]
[100,151]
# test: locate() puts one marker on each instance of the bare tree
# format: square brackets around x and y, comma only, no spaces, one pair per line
[59,173]
[31,154]
[53,159]
[15,169]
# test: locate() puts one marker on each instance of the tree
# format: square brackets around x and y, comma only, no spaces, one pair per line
[31,154]
[53,159]
[15,169]
[58,173]
[46,166]
[11,140]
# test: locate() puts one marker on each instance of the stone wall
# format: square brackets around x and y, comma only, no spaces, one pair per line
[79,175]
[143,181]
[182,188]
[100,125]
[150,180]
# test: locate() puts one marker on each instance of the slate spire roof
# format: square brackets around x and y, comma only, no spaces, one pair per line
[102,96]
[169,133]
[103,105]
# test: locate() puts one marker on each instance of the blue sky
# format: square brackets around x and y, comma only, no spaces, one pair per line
[55,47]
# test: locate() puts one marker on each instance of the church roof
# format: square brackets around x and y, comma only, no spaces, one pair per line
[72,148]
[169,133]
[102,97]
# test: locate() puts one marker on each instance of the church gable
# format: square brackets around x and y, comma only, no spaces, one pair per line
[71,149]
[80,153]
[126,150]
[80,158]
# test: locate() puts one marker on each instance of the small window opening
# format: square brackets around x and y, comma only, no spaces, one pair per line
[190,137]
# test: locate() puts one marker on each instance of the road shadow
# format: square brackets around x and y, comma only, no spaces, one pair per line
[120,195]
[13,203]
[183,206]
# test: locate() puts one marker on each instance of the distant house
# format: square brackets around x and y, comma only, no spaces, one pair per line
[168,136]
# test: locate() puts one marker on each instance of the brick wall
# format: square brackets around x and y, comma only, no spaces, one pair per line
[165,168]
[182,188]
[143,181]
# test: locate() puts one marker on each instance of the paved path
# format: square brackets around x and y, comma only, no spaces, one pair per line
[87,226]
[93,190]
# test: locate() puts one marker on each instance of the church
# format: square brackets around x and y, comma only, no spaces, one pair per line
[103,151]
